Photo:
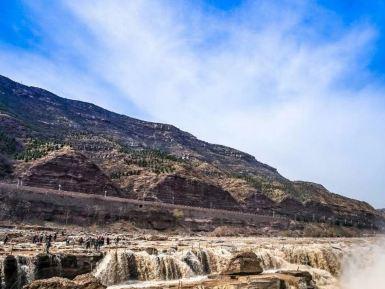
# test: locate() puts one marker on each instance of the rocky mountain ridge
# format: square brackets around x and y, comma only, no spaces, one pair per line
[42,135]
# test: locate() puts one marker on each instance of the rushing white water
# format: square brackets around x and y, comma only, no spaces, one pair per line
[364,267]
[355,264]
[159,283]
[312,258]
[124,266]
[323,257]
[120,266]
[25,270]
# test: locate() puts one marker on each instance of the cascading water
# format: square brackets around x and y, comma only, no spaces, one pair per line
[25,270]
[17,271]
[202,261]
[120,266]
[270,258]
[320,261]
[363,267]
[316,256]
[123,266]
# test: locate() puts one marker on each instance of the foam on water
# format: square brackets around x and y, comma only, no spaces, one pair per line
[159,283]
[364,267]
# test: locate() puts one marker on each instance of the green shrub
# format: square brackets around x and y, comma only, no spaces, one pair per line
[154,160]
[37,149]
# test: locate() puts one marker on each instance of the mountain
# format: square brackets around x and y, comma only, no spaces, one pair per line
[47,141]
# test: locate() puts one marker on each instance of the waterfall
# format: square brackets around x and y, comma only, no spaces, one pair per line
[57,259]
[201,262]
[316,256]
[116,267]
[270,259]
[319,260]
[193,262]
[170,268]
[363,267]
[121,266]
[25,270]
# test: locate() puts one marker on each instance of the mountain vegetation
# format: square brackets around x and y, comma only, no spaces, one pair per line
[149,160]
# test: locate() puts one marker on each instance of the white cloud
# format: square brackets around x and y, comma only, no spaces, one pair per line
[270,79]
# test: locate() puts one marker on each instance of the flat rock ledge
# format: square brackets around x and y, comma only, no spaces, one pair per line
[244,263]
[86,281]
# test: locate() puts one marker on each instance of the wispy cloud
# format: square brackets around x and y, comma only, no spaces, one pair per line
[284,81]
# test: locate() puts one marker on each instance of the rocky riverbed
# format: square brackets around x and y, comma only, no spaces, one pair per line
[140,260]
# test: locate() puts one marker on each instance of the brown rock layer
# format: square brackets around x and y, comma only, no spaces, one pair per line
[244,263]
[81,282]
[190,192]
[70,170]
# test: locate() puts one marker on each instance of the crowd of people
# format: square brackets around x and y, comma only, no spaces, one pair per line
[96,243]
[88,243]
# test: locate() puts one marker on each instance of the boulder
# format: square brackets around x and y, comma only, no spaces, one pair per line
[244,263]
[86,281]
[296,279]
[305,275]
[52,283]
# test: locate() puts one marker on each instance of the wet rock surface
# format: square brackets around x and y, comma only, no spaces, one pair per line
[67,266]
[162,261]
[245,263]
[81,282]
[10,272]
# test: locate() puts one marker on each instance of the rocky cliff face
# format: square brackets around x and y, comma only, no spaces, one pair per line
[19,270]
[69,170]
[139,159]
[191,192]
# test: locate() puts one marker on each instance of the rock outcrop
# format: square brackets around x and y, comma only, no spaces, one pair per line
[193,192]
[140,157]
[71,171]
[297,279]
[244,263]
[67,266]
[81,282]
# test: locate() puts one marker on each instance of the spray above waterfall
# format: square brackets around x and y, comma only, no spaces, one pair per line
[364,267]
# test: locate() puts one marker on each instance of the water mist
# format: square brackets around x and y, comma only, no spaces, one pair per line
[364,267]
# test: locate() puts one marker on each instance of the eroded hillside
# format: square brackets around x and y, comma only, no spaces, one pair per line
[42,134]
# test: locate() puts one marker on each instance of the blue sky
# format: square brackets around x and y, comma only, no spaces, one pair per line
[298,84]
